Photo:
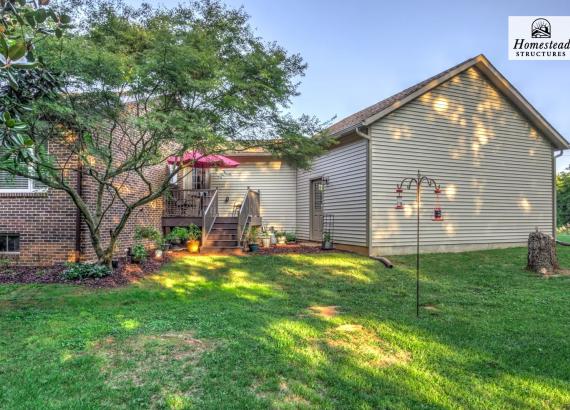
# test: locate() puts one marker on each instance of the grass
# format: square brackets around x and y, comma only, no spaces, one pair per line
[563,237]
[294,331]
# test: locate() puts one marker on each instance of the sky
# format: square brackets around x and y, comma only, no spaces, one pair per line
[362,51]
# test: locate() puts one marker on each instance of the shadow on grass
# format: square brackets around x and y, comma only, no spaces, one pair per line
[495,336]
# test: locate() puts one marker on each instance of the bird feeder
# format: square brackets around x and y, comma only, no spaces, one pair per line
[399,200]
[437,213]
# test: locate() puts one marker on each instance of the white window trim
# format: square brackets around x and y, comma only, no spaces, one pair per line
[29,190]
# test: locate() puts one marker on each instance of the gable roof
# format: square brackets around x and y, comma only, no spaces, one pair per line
[382,108]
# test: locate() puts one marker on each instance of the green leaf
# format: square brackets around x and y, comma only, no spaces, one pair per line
[58,32]
[26,66]
[65,19]
[3,46]
[12,81]
[17,51]
[41,15]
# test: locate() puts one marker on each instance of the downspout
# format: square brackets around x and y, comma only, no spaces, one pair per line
[78,213]
[368,185]
[554,207]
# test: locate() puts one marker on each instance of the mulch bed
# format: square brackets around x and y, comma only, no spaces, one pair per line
[125,274]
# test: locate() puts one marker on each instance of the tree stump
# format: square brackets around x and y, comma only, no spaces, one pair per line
[542,253]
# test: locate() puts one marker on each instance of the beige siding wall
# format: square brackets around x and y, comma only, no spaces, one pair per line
[345,195]
[494,167]
[274,179]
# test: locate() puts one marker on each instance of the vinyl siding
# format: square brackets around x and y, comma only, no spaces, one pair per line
[495,170]
[345,195]
[274,179]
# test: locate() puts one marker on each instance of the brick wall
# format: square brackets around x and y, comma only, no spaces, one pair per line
[45,221]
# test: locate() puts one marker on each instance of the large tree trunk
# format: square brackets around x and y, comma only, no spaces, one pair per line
[542,253]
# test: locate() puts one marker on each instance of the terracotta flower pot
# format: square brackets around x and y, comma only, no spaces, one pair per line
[193,246]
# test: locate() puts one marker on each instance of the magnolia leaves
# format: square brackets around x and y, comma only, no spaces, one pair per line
[20,26]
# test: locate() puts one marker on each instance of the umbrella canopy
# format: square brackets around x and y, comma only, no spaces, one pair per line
[200,160]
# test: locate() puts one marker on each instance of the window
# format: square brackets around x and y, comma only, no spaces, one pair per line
[9,242]
[198,178]
[13,183]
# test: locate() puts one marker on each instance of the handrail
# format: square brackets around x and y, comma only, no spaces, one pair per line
[209,216]
[249,209]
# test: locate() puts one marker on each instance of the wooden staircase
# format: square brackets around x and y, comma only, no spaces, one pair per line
[222,236]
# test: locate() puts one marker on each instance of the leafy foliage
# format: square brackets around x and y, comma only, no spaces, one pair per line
[290,237]
[139,253]
[137,85]
[253,234]
[150,233]
[194,232]
[177,235]
[563,198]
[76,271]
[23,74]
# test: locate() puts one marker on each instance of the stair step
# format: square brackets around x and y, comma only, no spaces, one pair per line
[221,243]
[228,231]
[226,219]
[222,236]
[225,225]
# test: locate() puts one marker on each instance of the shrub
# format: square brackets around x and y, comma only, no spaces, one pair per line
[177,235]
[253,234]
[77,271]
[139,253]
[150,233]
[194,232]
[291,237]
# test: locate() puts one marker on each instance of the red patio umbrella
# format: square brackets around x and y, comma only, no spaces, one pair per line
[203,161]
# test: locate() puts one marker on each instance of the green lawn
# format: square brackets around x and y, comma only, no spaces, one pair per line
[563,237]
[302,331]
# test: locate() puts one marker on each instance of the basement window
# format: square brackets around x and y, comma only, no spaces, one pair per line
[9,243]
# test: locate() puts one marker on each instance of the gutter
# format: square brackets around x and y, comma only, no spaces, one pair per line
[368,186]
[554,207]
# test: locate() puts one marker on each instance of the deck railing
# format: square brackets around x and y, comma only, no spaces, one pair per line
[188,202]
[209,217]
[250,207]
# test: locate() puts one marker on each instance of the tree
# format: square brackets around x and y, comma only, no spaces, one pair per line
[140,85]
[563,198]
[23,75]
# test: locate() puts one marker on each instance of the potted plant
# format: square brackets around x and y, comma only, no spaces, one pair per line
[194,235]
[161,246]
[138,253]
[290,237]
[281,238]
[266,239]
[327,241]
[252,237]
[177,236]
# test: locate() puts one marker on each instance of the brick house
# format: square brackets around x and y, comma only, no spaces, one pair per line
[468,127]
